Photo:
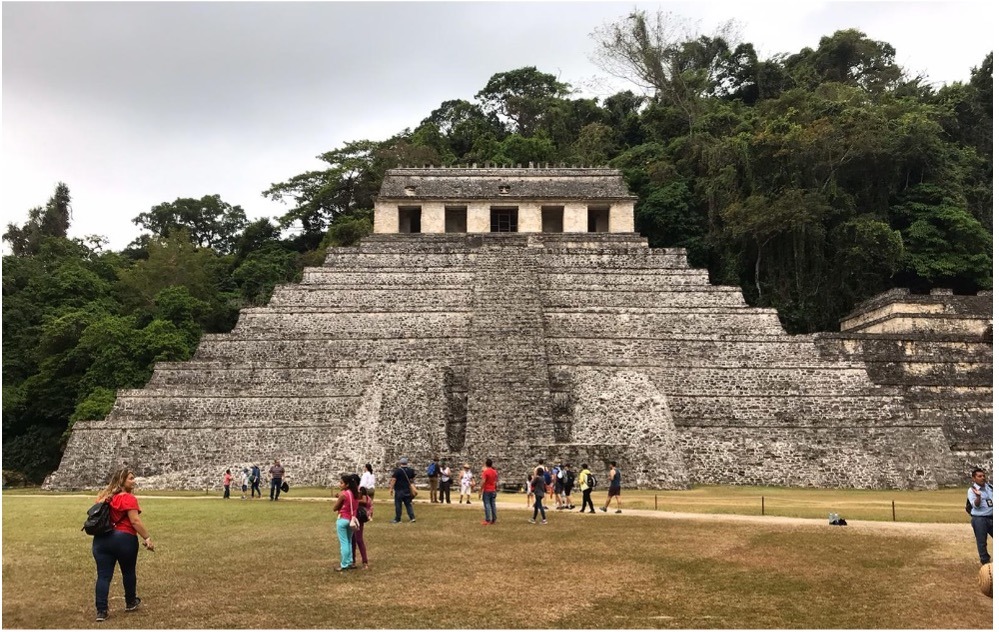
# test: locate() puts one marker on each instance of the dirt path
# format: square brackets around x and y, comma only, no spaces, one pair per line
[951,532]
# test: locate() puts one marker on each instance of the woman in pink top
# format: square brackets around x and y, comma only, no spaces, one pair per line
[345,508]
[119,546]
[365,501]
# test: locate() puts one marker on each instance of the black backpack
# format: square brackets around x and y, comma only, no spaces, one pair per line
[98,520]
[967,506]
[362,514]
[591,480]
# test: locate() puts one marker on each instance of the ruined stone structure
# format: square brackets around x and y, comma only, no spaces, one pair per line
[544,329]
[936,349]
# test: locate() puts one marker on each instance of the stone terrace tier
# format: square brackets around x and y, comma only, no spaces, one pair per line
[581,347]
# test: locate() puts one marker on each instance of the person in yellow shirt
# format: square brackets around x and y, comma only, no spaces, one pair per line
[586,481]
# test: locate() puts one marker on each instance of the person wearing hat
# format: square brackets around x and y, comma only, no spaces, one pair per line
[467,484]
[399,489]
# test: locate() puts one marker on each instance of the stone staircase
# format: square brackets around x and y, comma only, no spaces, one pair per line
[576,347]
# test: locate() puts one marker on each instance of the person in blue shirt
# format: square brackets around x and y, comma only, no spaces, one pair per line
[980,497]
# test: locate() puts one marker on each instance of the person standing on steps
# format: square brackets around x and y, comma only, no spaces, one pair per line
[586,481]
[614,490]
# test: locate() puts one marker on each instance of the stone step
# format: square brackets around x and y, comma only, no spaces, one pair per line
[672,299]
[231,410]
[295,382]
[265,322]
[398,261]
[787,410]
[764,382]
[663,324]
[323,352]
[401,299]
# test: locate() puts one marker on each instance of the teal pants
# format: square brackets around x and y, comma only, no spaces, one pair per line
[343,533]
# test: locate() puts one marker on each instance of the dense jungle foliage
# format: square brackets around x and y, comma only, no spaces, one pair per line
[812,180]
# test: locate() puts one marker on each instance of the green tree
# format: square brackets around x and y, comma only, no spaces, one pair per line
[209,222]
[521,97]
[51,221]
[944,245]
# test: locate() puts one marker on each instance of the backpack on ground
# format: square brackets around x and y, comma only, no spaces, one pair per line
[591,480]
[98,520]
[432,469]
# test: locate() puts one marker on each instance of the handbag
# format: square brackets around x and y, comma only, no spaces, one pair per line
[354,524]
[412,487]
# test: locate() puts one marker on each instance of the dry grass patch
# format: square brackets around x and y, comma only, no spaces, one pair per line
[258,564]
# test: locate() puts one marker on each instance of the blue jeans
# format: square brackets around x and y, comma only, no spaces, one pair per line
[539,506]
[982,526]
[343,534]
[275,488]
[489,502]
[113,548]
[401,499]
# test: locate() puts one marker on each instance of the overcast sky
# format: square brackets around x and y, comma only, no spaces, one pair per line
[134,104]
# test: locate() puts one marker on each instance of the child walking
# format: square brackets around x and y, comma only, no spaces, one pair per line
[364,500]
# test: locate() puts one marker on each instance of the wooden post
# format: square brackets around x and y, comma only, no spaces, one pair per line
[763,506]
[893,511]
[657,501]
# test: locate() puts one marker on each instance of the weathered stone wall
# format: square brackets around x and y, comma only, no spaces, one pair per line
[586,347]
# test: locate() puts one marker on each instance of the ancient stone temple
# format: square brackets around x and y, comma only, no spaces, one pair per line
[514,314]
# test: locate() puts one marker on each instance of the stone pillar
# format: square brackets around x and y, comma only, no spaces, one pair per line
[386,217]
[622,217]
[529,218]
[432,219]
[478,217]
[574,218]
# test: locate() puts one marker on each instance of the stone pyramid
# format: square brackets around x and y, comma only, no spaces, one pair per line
[584,347]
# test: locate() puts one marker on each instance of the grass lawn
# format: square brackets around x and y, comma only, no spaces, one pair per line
[242,564]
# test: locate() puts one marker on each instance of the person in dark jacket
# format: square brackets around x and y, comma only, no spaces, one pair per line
[399,489]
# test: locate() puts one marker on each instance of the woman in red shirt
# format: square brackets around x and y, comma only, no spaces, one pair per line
[119,546]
